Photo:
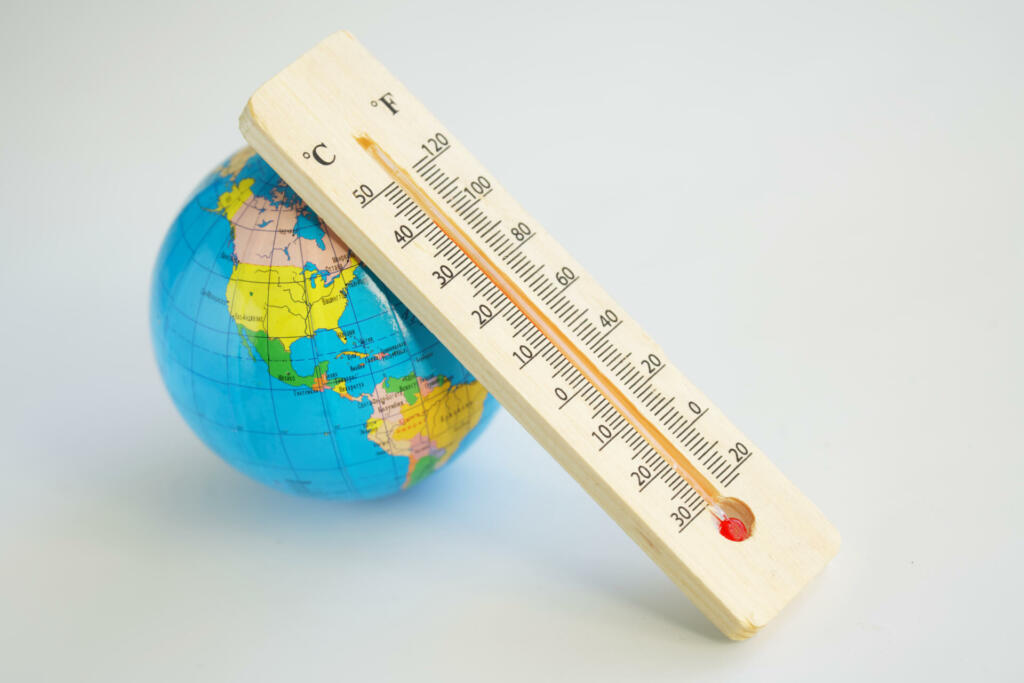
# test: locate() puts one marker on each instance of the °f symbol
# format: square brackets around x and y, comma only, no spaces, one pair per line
[388,100]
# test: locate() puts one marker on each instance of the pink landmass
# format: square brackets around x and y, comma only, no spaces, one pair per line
[420,446]
[264,236]
[428,384]
[387,405]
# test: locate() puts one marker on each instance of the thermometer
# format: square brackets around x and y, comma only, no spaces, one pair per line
[540,333]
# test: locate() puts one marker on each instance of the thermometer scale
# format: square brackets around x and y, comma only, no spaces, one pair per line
[538,331]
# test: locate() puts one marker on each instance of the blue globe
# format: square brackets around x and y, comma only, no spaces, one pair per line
[289,358]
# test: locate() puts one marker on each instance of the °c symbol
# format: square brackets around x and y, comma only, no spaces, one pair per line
[316,156]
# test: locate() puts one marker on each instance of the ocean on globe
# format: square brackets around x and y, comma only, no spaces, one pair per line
[289,358]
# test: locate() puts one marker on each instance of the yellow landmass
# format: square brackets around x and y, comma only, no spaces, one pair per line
[281,302]
[373,424]
[452,412]
[413,424]
[231,201]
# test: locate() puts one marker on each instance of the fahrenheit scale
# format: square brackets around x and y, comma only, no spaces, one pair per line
[540,333]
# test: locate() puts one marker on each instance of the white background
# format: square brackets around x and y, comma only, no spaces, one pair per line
[816,209]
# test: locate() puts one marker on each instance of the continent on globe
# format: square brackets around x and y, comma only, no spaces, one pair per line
[423,419]
[306,373]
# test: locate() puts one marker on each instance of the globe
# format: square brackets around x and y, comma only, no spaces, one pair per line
[289,358]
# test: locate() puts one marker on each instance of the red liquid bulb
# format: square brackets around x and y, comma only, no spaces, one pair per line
[733,529]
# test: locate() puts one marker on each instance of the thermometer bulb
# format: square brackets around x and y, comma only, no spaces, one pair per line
[735,519]
[733,529]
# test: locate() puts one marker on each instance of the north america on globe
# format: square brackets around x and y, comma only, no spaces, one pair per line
[289,358]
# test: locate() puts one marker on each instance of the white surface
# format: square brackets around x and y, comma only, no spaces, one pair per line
[842,190]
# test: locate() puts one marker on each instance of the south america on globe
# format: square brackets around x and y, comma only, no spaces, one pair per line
[288,357]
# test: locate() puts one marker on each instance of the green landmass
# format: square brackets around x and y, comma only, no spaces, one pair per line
[407,385]
[424,466]
[279,360]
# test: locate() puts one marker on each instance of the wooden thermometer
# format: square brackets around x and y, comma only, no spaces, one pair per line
[576,371]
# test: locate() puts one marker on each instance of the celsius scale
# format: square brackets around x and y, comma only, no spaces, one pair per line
[540,333]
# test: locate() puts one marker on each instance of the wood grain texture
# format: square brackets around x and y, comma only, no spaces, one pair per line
[332,95]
